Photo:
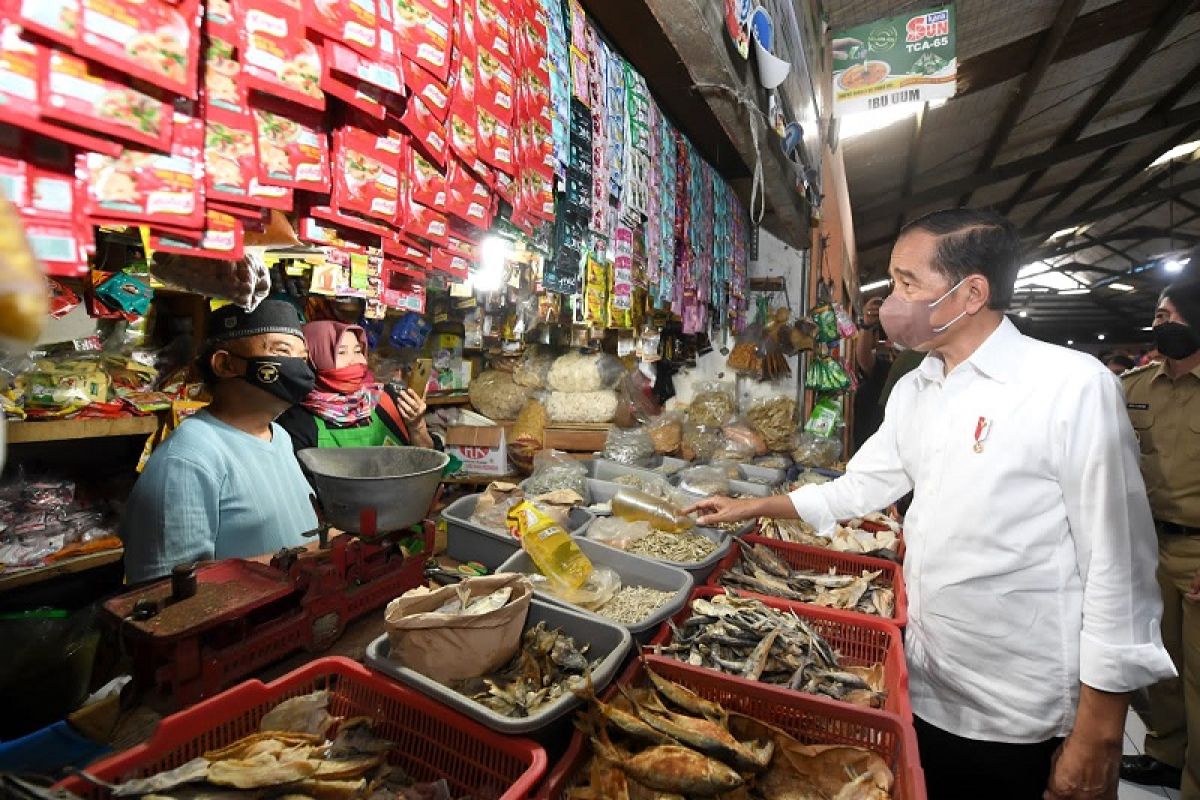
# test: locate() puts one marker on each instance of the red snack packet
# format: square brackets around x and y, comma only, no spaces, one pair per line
[293,149]
[467,198]
[428,134]
[495,142]
[428,183]
[425,223]
[422,36]
[61,245]
[354,23]
[253,218]
[354,221]
[140,186]
[230,154]
[495,89]
[276,58]
[378,73]
[407,251]
[433,92]
[147,39]
[220,239]
[268,196]
[451,263]
[493,27]
[54,190]
[366,178]
[223,85]
[57,20]
[85,96]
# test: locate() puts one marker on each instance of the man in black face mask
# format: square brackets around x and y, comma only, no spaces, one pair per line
[226,484]
[1164,406]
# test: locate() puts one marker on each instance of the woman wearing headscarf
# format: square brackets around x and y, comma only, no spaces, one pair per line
[348,407]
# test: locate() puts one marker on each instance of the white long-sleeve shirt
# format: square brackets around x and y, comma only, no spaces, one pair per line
[1030,565]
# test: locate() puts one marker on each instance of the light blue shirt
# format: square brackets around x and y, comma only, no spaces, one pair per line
[212,491]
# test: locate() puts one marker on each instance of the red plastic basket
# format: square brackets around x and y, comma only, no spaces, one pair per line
[433,741]
[792,712]
[800,556]
[860,643]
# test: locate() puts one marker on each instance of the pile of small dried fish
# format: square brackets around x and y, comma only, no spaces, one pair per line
[655,487]
[761,570]
[874,535]
[686,547]
[664,741]
[742,636]
[809,477]
[292,756]
[548,665]
[632,604]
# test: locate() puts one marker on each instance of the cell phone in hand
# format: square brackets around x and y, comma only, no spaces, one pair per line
[418,376]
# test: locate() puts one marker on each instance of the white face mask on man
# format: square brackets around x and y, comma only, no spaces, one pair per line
[909,323]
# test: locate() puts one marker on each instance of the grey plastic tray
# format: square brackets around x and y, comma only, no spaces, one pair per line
[466,541]
[766,476]
[737,487]
[634,570]
[606,640]
[604,470]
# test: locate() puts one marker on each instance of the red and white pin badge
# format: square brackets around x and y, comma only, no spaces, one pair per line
[982,429]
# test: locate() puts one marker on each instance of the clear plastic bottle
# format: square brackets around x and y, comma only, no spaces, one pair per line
[549,545]
[635,506]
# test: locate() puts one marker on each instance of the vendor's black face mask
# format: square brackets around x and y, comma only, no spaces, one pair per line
[1175,340]
[287,377]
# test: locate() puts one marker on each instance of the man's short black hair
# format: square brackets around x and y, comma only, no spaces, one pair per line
[1121,360]
[974,241]
[1185,296]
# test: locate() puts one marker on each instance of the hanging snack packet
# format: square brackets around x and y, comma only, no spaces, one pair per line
[495,142]
[86,96]
[423,36]
[467,198]
[57,20]
[221,239]
[154,40]
[293,149]
[427,224]
[495,90]
[423,84]
[428,184]
[367,177]
[276,58]
[428,133]
[147,187]
[354,23]
[230,154]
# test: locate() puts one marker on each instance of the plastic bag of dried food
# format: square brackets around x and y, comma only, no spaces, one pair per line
[704,481]
[599,588]
[585,372]
[630,446]
[532,370]
[775,420]
[528,434]
[740,442]
[812,450]
[699,442]
[491,509]
[495,395]
[616,532]
[712,405]
[244,282]
[582,406]
[666,432]
[554,470]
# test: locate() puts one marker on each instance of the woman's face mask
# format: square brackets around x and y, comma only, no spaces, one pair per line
[909,323]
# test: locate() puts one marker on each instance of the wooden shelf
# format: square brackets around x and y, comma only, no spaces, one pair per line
[455,399]
[70,566]
[58,430]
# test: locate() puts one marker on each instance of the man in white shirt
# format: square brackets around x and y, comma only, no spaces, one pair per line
[1033,611]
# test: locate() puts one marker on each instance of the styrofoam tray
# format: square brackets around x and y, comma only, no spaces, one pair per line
[466,541]
[606,640]
[634,570]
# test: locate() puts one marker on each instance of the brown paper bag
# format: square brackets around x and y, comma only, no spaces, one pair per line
[450,647]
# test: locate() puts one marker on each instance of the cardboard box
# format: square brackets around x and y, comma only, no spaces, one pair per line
[575,438]
[483,449]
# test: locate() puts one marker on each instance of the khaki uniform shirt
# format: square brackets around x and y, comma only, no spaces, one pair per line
[1166,416]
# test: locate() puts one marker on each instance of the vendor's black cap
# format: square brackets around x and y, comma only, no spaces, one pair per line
[270,316]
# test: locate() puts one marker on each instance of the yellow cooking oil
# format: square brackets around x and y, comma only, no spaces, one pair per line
[632,505]
[549,545]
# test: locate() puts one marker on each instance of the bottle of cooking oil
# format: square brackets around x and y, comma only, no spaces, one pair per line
[549,545]
[635,506]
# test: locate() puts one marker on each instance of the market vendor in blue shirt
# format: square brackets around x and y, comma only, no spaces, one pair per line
[226,483]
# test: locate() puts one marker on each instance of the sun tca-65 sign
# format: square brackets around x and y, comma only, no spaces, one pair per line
[903,59]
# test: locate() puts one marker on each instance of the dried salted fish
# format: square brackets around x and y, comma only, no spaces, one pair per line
[191,772]
[307,713]
[729,756]
[632,604]
[466,606]
[761,570]
[685,547]
[548,665]
[745,637]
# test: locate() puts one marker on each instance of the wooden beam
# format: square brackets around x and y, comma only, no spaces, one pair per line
[1090,32]
[1116,80]
[1041,161]
[1132,201]
[1123,180]
[1165,103]
[1048,48]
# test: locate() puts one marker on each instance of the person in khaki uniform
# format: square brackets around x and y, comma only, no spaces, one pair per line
[1163,400]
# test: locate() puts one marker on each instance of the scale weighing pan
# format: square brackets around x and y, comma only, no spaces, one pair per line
[370,490]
